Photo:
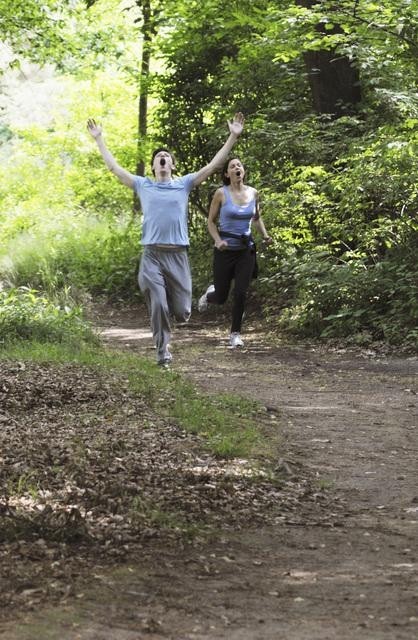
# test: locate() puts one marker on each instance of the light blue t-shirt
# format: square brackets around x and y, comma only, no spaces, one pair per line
[164,207]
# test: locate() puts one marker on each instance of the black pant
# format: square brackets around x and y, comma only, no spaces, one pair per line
[231,265]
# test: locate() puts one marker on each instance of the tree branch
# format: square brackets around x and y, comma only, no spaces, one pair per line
[356,17]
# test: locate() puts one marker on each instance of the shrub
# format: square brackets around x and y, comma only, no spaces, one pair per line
[326,297]
[26,314]
[92,256]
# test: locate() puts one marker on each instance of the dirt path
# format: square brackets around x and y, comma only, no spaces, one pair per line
[351,419]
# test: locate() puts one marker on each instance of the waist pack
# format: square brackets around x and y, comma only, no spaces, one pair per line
[246,239]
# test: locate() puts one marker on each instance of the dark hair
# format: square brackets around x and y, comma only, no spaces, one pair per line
[225,178]
[154,153]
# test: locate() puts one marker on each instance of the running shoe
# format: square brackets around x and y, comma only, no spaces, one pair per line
[235,340]
[202,305]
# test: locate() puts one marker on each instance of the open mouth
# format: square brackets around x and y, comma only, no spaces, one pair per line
[162,162]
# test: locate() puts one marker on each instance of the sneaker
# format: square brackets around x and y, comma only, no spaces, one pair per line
[166,360]
[235,340]
[202,305]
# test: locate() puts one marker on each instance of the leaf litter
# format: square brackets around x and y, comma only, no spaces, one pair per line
[91,476]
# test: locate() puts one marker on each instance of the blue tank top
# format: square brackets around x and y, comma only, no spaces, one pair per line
[236,219]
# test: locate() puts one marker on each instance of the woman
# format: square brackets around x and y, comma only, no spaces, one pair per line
[237,206]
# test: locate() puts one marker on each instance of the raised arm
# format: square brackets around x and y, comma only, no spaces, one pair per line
[122,175]
[235,130]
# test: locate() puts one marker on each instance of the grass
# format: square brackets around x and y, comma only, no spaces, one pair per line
[324,483]
[229,425]
[141,510]
[23,485]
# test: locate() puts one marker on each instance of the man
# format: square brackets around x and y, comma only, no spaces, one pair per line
[164,274]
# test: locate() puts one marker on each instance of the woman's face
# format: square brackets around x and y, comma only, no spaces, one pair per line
[235,170]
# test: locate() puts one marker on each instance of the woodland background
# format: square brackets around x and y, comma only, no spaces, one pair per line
[329,91]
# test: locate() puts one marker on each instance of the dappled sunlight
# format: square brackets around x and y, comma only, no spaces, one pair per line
[235,468]
[120,334]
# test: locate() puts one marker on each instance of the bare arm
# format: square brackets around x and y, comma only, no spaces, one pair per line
[122,175]
[259,224]
[215,206]
[235,128]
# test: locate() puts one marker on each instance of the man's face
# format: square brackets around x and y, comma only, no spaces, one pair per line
[163,163]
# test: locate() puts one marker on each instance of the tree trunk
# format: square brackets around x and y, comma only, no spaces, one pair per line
[146,32]
[333,78]
[143,87]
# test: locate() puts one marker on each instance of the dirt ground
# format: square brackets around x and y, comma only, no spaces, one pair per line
[344,569]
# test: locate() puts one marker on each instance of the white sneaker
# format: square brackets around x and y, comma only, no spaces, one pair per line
[235,340]
[202,304]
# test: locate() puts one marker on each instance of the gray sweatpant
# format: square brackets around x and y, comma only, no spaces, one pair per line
[165,280]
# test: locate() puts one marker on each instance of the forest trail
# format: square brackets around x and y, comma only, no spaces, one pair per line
[343,569]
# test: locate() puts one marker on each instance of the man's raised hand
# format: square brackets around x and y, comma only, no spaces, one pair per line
[94,129]
[237,124]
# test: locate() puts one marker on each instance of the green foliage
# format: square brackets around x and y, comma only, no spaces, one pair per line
[25,314]
[339,197]
[37,29]
[92,257]
[65,33]
[322,296]
[346,241]
[375,189]
[64,220]
[57,168]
